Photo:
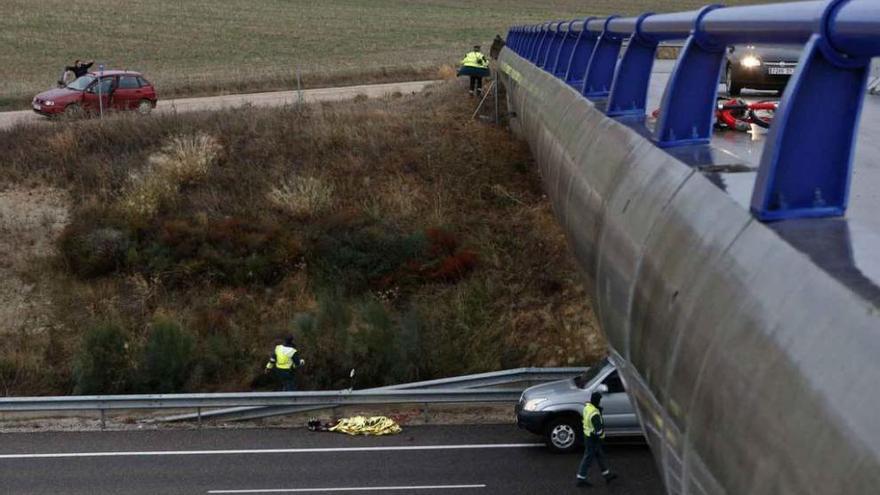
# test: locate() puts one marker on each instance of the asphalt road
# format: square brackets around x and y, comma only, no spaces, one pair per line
[493,459]
[276,98]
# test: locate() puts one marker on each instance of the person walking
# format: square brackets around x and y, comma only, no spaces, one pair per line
[594,432]
[476,66]
[284,360]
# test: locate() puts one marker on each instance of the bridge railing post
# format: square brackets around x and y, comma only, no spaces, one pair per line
[629,89]
[806,165]
[549,63]
[603,62]
[560,67]
[580,56]
[688,106]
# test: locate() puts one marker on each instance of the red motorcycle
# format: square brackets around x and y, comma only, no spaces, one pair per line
[739,115]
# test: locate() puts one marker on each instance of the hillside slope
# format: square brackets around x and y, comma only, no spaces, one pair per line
[394,236]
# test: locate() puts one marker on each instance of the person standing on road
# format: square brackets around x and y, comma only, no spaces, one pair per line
[284,360]
[476,66]
[594,432]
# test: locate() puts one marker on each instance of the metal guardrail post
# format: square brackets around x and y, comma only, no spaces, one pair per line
[600,70]
[549,61]
[560,66]
[629,89]
[580,56]
[688,107]
[537,43]
[807,163]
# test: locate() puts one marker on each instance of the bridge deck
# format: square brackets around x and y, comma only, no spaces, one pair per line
[846,248]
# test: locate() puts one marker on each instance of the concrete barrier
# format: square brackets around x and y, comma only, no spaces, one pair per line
[752,368]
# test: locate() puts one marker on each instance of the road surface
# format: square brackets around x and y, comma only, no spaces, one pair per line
[273,99]
[466,460]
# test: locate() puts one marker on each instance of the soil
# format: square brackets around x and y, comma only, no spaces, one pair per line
[30,221]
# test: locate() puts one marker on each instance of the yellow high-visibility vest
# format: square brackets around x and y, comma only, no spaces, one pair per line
[475,59]
[283,357]
[591,411]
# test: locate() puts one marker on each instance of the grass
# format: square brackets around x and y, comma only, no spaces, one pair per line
[395,236]
[195,47]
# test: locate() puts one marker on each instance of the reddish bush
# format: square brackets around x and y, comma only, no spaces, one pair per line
[441,242]
[455,267]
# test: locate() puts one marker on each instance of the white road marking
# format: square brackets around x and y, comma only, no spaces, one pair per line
[389,448]
[353,489]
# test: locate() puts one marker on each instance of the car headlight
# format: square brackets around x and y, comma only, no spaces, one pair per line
[532,404]
[49,103]
[750,62]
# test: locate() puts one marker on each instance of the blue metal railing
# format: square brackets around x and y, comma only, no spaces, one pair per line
[806,166]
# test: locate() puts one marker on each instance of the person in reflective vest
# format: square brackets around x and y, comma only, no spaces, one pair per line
[594,432]
[476,66]
[284,360]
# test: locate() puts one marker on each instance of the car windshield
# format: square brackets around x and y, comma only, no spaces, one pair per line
[584,379]
[81,83]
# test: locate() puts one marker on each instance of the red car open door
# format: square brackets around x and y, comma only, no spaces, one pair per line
[90,96]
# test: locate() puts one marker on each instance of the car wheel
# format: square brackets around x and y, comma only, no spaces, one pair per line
[73,111]
[563,434]
[733,89]
[145,107]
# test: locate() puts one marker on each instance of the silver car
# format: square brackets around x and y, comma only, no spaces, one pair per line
[554,409]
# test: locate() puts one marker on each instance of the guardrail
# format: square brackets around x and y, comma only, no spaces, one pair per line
[463,389]
[526,376]
[806,165]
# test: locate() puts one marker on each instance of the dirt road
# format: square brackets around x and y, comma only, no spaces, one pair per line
[278,98]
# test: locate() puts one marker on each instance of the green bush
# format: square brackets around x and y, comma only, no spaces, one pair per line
[92,252]
[230,251]
[167,358]
[220,359]
[357,258]
[102,365]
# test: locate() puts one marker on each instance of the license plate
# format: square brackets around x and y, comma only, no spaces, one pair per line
[780,71]
[36,106]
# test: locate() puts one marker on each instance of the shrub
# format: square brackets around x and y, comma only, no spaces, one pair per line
[302,197]
[93,252]
[183,160]
[358,258]
[102,365]
[220,359]
[167,357]
[231,251]
[373,346]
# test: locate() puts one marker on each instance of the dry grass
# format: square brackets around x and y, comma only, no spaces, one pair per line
[302,197]
[209,46]
[180,162]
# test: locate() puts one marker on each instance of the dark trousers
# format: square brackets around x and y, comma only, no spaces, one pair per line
[592,451]
[476,83]
[285,377]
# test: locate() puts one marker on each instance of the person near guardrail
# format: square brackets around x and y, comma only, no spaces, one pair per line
[497,45]
[476,66]
[283,361]
[594,432]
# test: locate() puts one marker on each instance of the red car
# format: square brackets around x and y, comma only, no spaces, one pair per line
[117,90]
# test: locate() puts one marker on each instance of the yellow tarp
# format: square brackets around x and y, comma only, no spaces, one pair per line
[361,425]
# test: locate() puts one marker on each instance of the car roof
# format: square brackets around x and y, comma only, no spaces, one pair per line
[115,73]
